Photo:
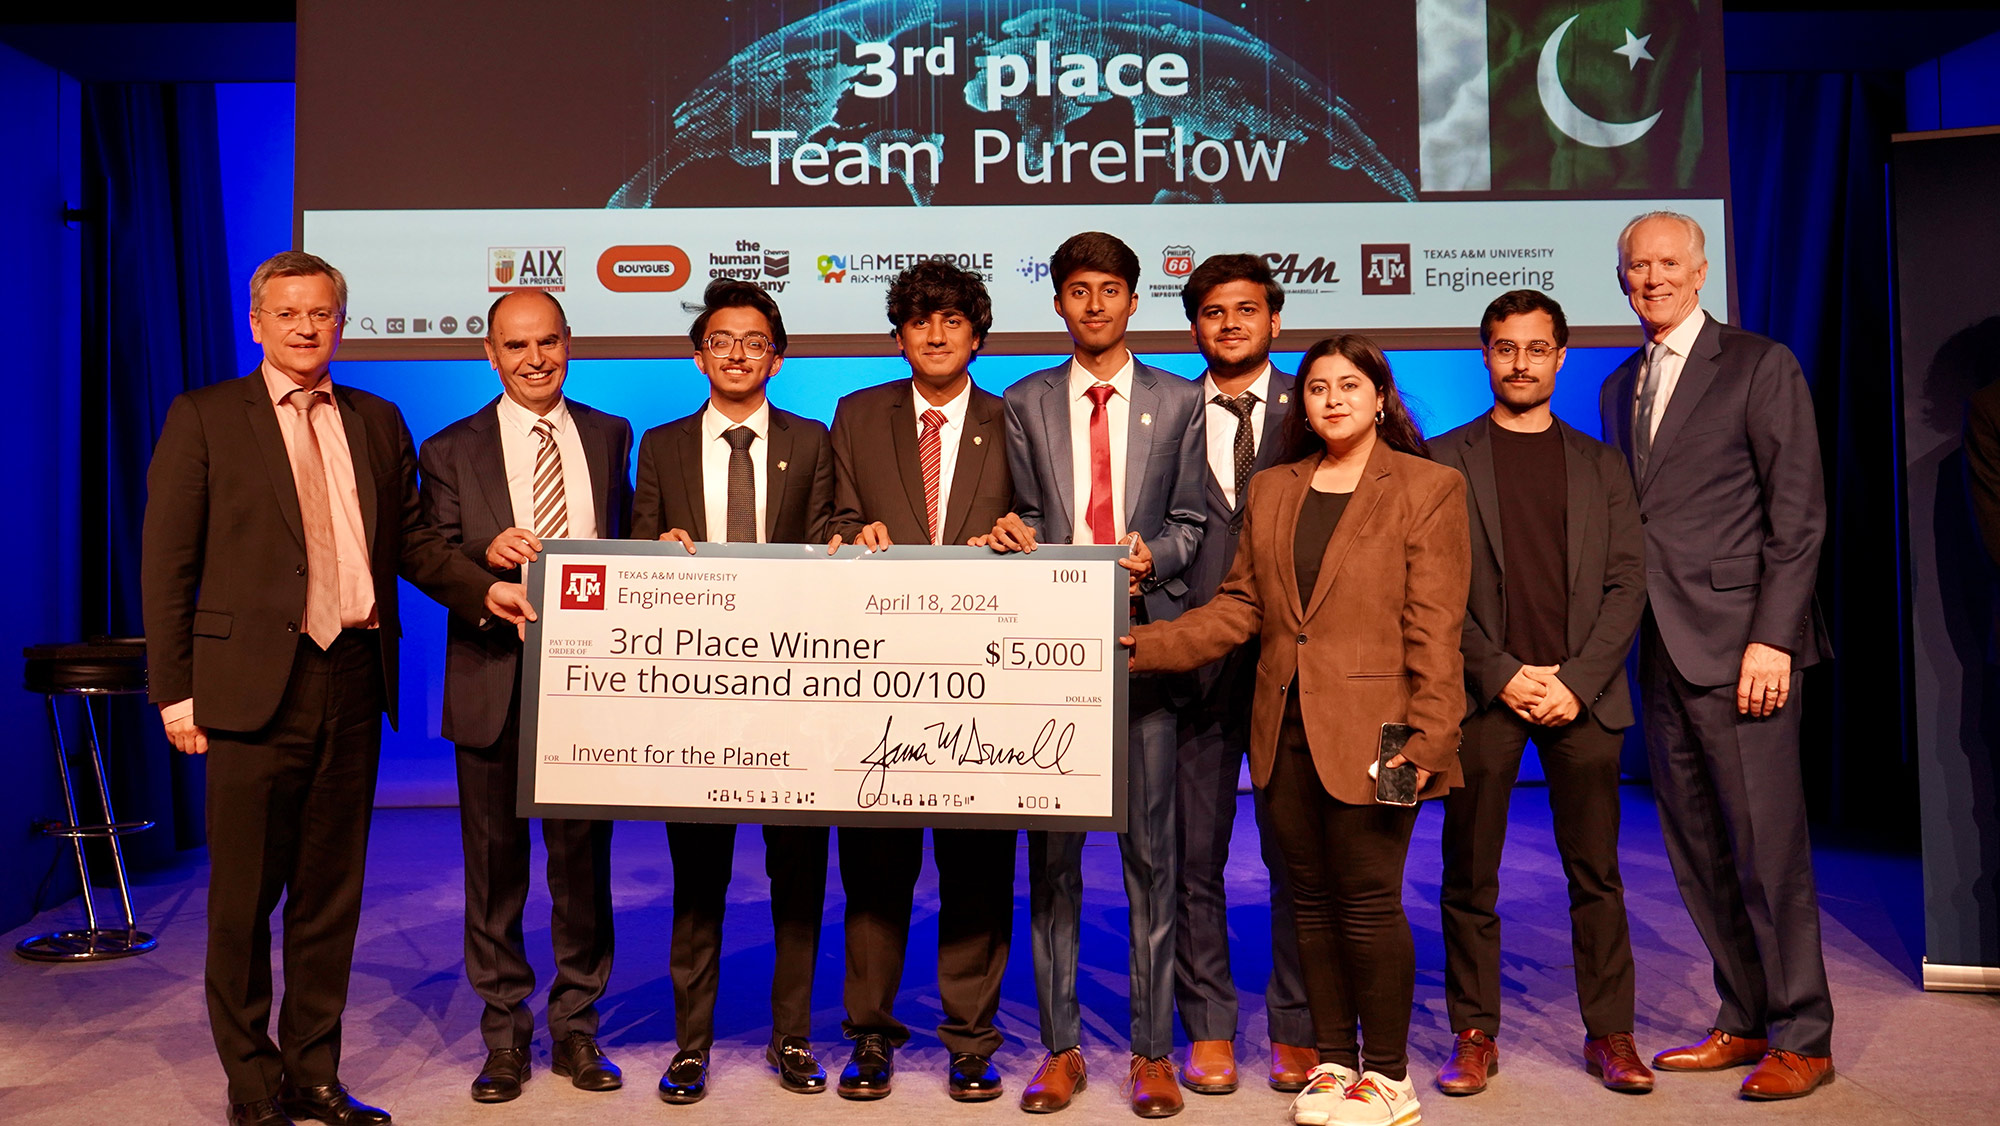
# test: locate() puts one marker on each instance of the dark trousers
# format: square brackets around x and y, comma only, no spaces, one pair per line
[1213,741]
[288,816]
[1733,811]
[1580,760]
[1355,949]
[496,895]
[795,861]
[1055,893]
[878,871]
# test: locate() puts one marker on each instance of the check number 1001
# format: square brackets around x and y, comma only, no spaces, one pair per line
[1058,653]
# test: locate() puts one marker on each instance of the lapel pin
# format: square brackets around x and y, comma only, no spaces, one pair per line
[1145,420]
[1284,398]
[781,467]
[978,440]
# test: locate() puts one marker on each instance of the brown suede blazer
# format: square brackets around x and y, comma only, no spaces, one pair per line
[1377,640]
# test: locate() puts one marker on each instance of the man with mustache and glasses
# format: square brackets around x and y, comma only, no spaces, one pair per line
[1558,585]
[739,470]
[1233,305]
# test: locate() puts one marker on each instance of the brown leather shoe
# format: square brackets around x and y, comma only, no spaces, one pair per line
[1786,1075]
[1152,1087]
[1291,1066]
[1055,1083]
[1615,1059]
[1474,1057]
[1210,1068]
[1717,1050]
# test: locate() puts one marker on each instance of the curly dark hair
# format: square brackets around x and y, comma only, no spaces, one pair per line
[1221,269]
[731,293]
[1515,302]
[936,286]
[1397,427]
[1094,250]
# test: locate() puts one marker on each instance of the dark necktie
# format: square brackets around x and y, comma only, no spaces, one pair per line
[742,485]
[551,507]
[930,451]
[1103,529]
[1246,439]
[1642,416]
[316,516]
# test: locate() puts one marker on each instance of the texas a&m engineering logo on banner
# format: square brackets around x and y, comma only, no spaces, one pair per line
[582,587]
[1385,268]
[511,268]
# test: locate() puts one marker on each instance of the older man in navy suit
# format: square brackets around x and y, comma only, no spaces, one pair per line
[1718,426]
[1105,450]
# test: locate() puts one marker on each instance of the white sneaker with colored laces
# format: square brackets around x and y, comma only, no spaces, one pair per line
[1377,1100]
[1325,1087]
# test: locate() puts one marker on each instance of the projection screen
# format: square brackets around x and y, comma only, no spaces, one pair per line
[1396,163]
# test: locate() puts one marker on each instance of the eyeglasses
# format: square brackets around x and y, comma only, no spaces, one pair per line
[721,344]
[1538,350]
[289,318]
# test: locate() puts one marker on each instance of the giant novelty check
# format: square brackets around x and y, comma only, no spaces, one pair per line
[770,683]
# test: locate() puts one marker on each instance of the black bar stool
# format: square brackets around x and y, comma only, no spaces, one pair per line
[103,666]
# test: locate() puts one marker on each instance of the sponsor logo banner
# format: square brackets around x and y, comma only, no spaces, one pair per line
[643,269]
[511,268]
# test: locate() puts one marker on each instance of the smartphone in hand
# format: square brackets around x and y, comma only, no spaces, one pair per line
[1394,785]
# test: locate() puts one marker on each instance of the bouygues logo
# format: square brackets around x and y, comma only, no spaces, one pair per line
[643,269]
[582,587]
[832,268]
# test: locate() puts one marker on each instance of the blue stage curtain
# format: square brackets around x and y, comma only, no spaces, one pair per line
[158,315]
[1808,158]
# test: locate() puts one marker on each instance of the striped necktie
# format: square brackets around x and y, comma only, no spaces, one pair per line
[930,451]
[551,507]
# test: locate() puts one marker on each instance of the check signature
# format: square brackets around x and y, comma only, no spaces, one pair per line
[960,745]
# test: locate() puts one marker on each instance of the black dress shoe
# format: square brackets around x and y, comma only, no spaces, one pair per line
[578,1058]
[686,1080]
[331,1104]
[501,1076]
[263,1112]
[798,1071]
[973,1079]
[870,1069]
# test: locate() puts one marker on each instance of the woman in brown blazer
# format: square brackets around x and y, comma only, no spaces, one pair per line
[1352,574]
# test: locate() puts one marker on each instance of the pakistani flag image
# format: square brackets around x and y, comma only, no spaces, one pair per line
[1541,96]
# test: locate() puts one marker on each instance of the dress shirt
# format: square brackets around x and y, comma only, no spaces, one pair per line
[1680,344]
[1222,428]
[1118,411]
[519,447]
[715,468]
[948,436]
[350,541]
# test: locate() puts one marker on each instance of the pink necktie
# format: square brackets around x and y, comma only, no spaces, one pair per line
[316,516]
[1103,529]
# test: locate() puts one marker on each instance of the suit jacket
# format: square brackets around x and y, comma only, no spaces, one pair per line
[465,498]
[877,480]
[1166,457]
[1375,641]
[223,565]
[798,480]
[1733,503]
[1221,531]
[1982,464]
[1606,553]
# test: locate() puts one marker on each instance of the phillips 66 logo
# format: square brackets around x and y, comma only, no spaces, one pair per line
[582,587]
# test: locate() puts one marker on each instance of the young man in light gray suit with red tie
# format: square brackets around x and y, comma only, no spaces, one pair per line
[1104,450]
[1718,426]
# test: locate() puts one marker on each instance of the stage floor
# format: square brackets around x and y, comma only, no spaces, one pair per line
[128,1040]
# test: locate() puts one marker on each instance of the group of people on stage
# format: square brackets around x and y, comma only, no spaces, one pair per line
[1310,574]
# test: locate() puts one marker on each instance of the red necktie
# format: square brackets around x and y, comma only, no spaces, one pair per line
[930,451]
[1102,528]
